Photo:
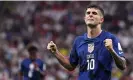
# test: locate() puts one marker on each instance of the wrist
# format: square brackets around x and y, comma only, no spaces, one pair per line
[56,51]
[111,50]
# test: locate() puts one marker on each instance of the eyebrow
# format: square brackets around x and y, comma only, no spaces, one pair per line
[93,12]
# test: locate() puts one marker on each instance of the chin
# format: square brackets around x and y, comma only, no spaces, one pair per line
[90,22]
[91,25]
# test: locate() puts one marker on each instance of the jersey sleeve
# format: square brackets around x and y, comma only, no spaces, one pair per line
[73,57]
[117,46]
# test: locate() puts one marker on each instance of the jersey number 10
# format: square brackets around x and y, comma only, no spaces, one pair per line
[91,64]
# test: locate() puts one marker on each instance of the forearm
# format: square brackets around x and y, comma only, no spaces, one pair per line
[64,61]
[119,61]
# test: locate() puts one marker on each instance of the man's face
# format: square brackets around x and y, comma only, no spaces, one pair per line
[32,54]
[93,17]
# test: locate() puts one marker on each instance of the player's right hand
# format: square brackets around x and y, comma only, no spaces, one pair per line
[52,47]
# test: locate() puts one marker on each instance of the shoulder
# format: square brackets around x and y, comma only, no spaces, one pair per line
[24,61]
[112,36]
[79,38]
[109,35]
[40,60]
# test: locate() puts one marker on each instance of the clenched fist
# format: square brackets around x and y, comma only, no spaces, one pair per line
[52,47]
[108,44]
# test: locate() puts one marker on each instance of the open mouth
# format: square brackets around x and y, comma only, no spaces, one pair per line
[90,19]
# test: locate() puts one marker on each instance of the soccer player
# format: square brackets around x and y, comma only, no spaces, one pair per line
[32,68]
[95,51]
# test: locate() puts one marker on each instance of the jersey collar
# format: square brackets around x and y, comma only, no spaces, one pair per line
[91,40]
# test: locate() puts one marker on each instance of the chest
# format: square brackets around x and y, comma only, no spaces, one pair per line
[94,50]
[29,65]
[89,48]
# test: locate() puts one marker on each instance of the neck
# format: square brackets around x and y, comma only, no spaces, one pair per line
[93,32]
[32,58]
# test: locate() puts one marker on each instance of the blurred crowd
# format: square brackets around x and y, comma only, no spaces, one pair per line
[24,23]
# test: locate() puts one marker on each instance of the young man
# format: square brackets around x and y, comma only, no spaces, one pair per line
[32,68]
[94,51]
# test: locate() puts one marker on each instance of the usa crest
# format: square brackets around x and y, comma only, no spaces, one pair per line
[90,47]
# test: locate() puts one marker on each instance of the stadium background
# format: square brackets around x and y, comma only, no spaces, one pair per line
[23,23]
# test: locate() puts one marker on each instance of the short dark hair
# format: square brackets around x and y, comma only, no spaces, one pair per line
[97,7]
[32,48]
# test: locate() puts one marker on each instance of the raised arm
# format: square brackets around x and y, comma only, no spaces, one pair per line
[119,61]
[63,61]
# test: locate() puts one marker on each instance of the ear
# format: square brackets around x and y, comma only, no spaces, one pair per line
[102,20]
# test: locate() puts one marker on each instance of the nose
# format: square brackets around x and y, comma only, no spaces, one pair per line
[90,15]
